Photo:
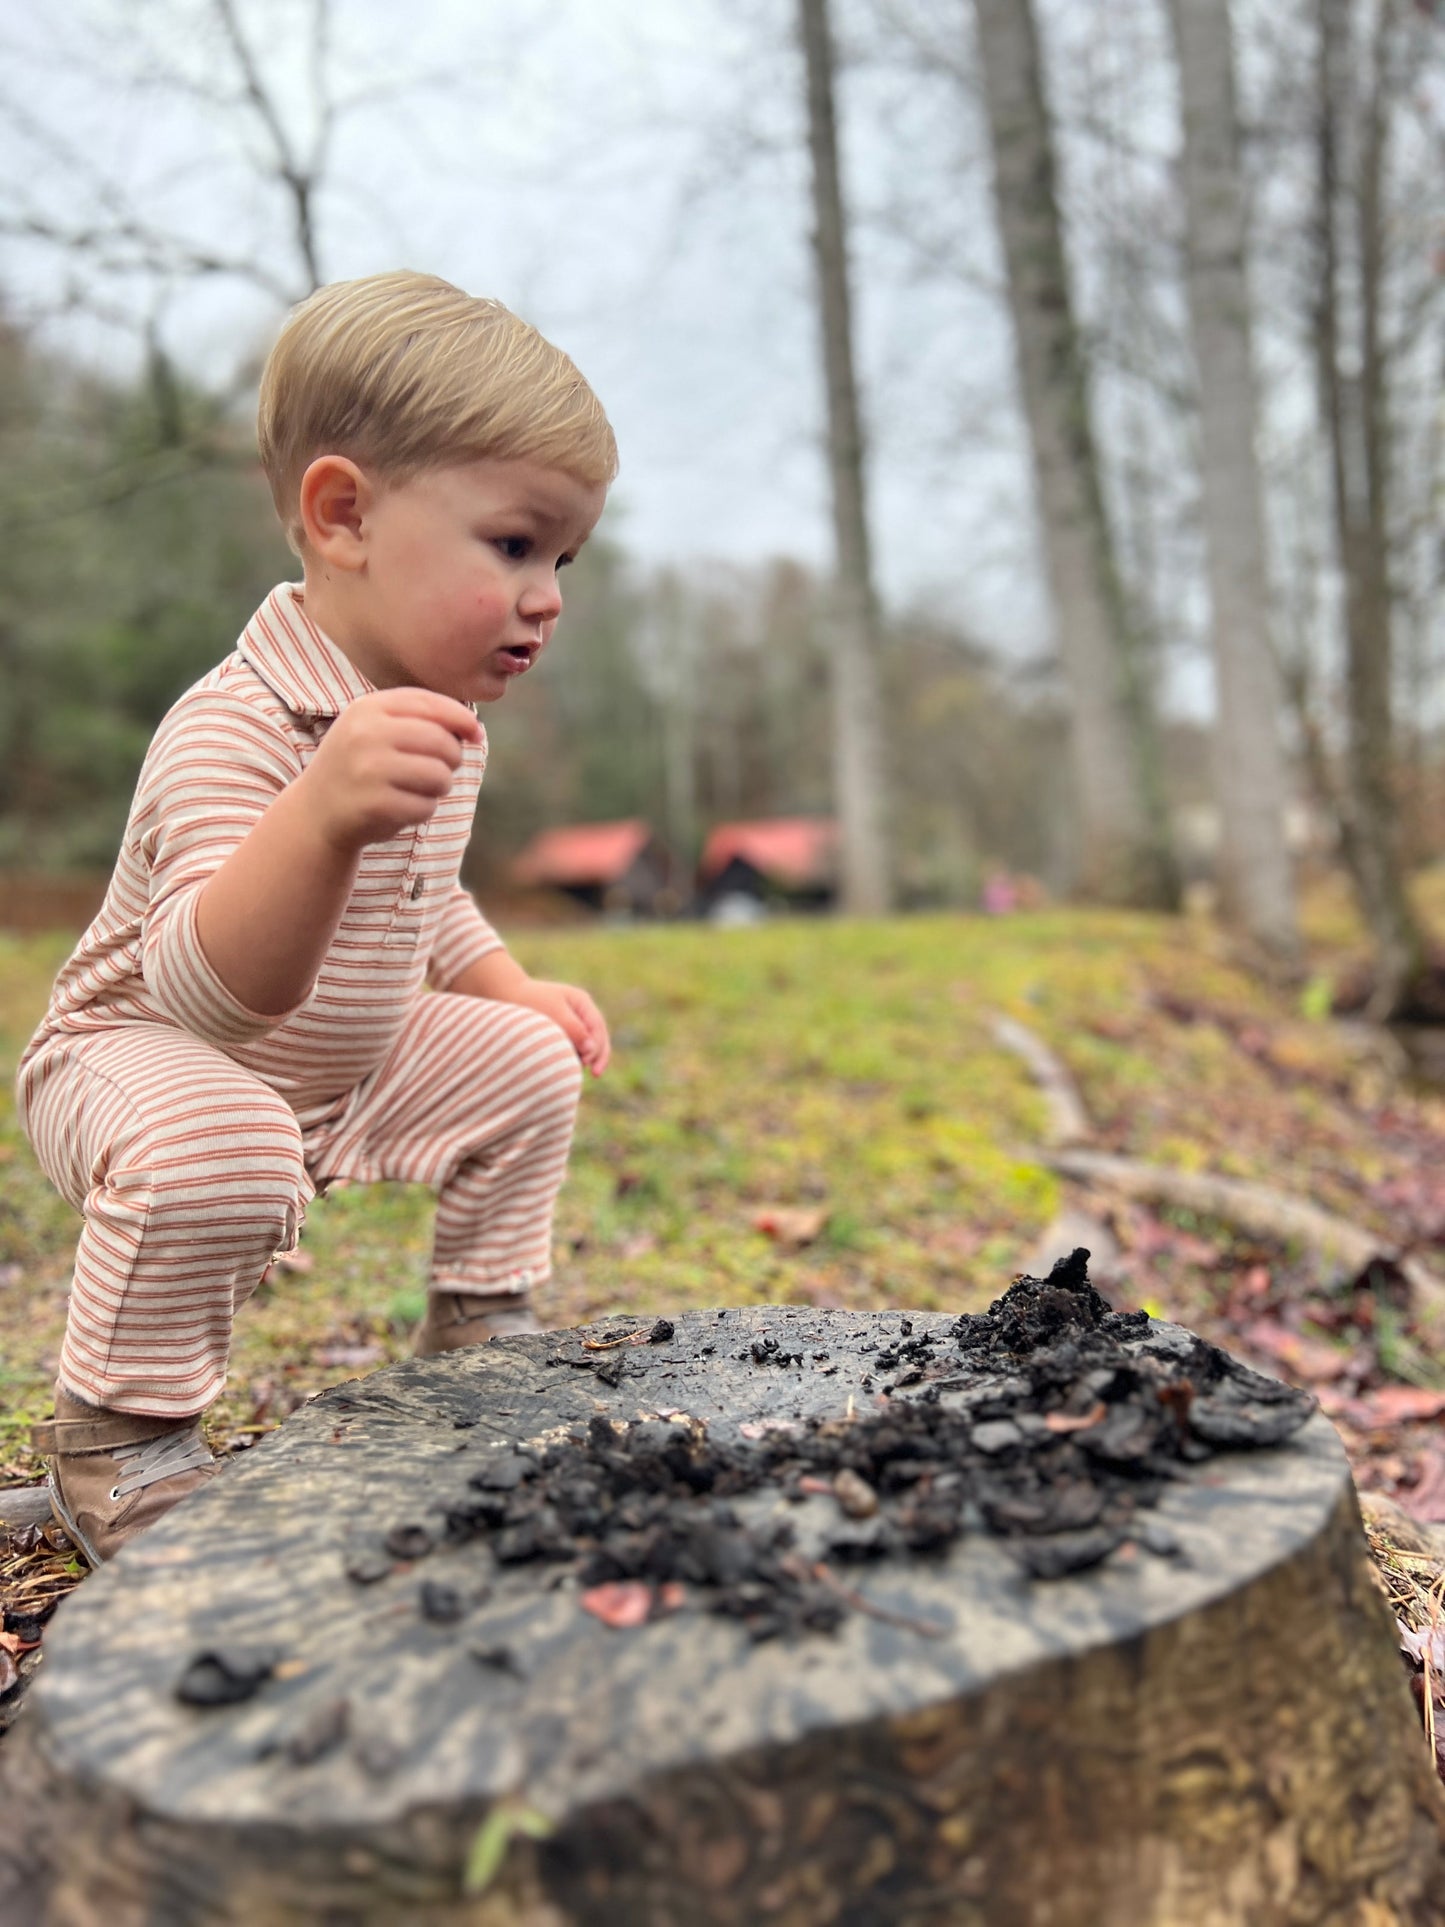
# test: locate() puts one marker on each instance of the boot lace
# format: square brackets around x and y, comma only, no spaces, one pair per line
[161,1458]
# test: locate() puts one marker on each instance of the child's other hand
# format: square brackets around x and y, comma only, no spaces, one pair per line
[576,1014]
[386,763]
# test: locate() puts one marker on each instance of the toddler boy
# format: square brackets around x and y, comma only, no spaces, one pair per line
[244,1022]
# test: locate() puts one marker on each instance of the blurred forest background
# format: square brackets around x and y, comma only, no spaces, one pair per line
[1030,412]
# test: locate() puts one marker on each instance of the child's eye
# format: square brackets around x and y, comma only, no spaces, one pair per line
[565,561]
[516,548]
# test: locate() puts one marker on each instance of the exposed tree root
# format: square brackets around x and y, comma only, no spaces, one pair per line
[1257,1209]
[1068,1120]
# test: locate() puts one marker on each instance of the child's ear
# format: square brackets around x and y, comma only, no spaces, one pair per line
[334,500]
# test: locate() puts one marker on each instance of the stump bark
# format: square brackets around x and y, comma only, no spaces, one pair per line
[1223,1737]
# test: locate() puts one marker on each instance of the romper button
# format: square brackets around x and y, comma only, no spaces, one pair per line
[416,890]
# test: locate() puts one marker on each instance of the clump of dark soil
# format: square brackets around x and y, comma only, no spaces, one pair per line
[1050,1420]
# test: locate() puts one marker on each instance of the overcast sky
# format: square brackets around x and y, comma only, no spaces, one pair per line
[630,178]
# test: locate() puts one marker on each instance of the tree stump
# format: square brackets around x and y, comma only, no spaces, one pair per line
[1216,1730]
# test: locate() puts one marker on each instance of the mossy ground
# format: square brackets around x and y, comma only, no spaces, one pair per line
[846,1067]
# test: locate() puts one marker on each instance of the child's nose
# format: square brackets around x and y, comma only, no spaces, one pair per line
[542,601]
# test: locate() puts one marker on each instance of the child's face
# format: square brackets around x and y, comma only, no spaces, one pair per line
[458,588]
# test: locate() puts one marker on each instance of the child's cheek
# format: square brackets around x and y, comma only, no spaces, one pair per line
[491,610]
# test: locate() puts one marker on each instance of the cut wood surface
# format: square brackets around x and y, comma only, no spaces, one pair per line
[1218,1736]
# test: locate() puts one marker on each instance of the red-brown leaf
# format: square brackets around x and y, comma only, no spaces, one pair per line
[620,1604]
[1308,1358]
[1075,1421]
[1396,1404]
[790,1225]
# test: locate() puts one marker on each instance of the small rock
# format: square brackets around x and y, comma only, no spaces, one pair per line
[854,1494]
[365,1568]
[224,1676]
[378,1756]
[408,1541]
[322,1730]
[499,1659]
[504,1473]
[442,1605]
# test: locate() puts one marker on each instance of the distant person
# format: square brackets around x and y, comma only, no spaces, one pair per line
[244,1024]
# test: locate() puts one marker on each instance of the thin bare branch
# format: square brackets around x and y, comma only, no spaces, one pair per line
[297,179]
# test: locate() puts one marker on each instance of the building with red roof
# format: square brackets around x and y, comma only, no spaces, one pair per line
[606,866]
[788,859]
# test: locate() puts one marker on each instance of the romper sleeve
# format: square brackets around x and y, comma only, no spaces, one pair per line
[463,937]
[215,766]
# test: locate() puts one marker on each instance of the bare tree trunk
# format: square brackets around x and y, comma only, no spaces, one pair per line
[1258,887]
[1124,840]
[679,726]
[1351,161]
[858,771]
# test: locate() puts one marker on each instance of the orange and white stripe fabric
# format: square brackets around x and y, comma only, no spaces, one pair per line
[191,1132]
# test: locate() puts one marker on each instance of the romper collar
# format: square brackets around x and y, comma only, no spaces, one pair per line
[296,659]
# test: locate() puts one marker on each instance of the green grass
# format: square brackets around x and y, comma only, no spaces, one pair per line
[821,1064]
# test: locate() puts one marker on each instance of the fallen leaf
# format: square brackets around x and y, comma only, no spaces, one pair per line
[791,1225]
[1418,1644]
[349,1355]
[12,1643]
[1308,1358]
[1075,1421]
[1396,1404]
[759,1428]
[620,1604]
[820,1292]
[1425,1499]
[496,1833]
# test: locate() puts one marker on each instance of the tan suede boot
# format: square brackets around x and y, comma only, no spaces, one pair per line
[457,1318]
[112,1474]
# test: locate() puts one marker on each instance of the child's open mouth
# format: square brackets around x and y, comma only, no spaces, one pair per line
[518,656]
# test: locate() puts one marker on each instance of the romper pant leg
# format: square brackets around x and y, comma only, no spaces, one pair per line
[478,1100]
[190,1176]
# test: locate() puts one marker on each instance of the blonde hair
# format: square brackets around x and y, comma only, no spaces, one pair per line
[402,372]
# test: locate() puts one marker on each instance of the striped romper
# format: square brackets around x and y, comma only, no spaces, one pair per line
[190,1132]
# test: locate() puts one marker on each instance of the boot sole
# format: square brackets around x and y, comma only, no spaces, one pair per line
[69,1527]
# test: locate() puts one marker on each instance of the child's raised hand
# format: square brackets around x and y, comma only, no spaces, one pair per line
[385,763]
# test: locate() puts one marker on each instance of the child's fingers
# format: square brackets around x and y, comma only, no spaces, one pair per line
[419,736]
[453,716]
[419,775]
[598,1047]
